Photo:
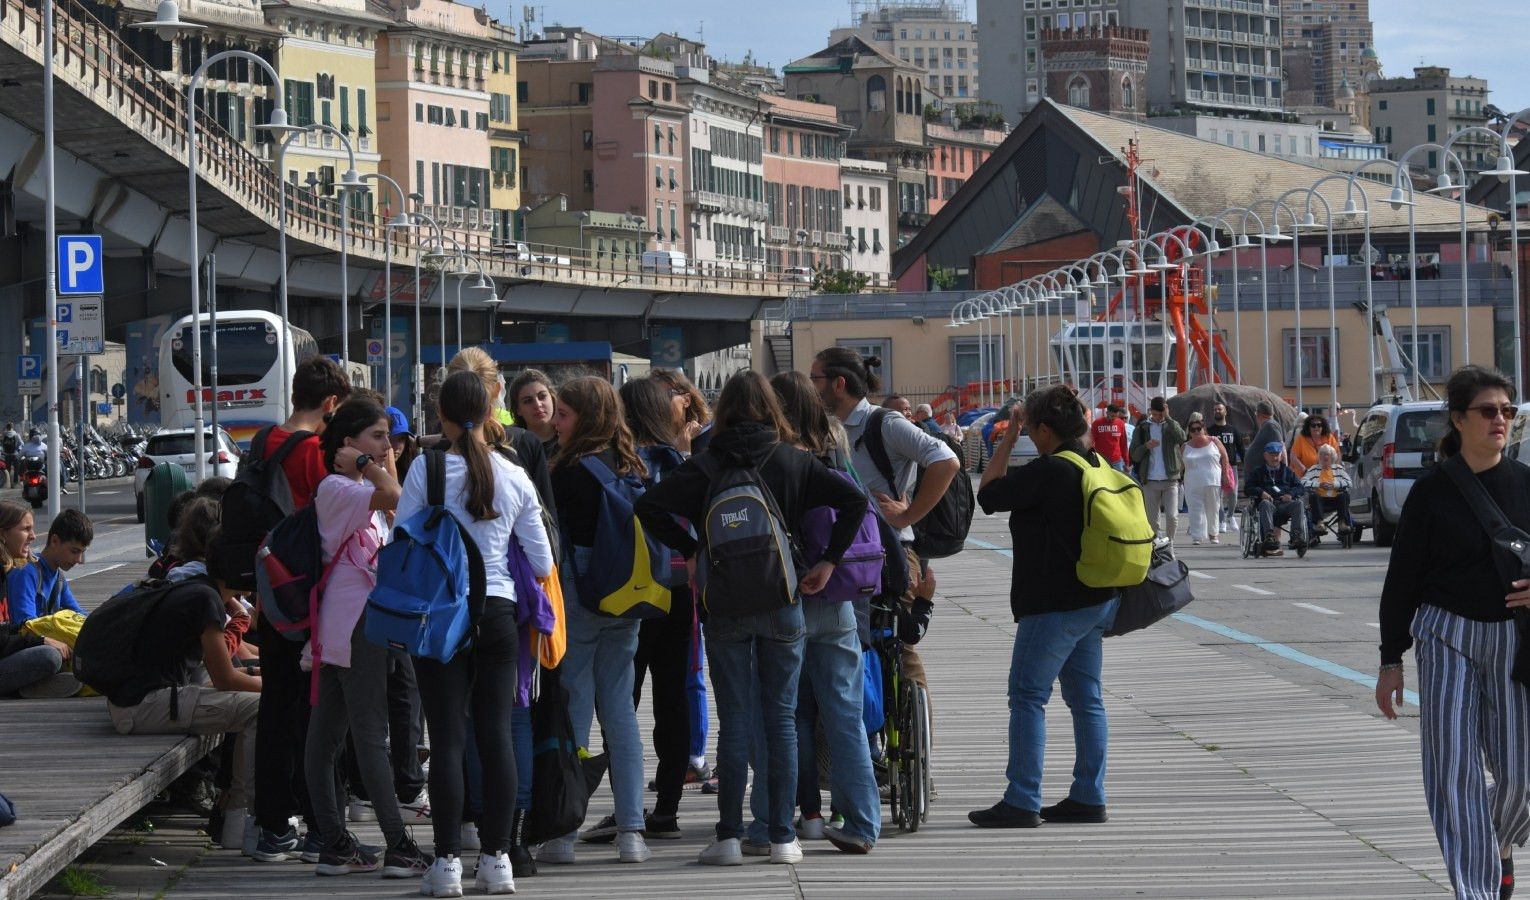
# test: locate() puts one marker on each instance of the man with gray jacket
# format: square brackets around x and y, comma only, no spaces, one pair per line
[1155,453]
[1267,432]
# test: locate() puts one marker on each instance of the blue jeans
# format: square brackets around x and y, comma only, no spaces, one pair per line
[755,663]
[597,671]
[27,667]
[832,690]
[1062,647]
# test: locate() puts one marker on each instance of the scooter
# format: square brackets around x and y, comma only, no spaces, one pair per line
[34,480]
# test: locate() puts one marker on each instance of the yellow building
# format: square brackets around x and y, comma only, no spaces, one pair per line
[505,137]
[327,58]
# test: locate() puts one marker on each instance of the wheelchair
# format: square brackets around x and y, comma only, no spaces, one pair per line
[904,742]
[1248,527]
[1327,518]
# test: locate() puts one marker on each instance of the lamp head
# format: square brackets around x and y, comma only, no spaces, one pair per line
[1504,168]
[400,220]
[351,181]
[1442,184]
[1399,199]
[1212,246]
[1307,221]
[1242,243]
[167,21]
[278,124]
[1274,236]
[1350,209]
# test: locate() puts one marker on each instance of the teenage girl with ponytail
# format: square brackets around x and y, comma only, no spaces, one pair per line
[496,503]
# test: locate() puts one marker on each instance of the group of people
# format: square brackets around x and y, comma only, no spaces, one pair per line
[331,728]
[1208,465]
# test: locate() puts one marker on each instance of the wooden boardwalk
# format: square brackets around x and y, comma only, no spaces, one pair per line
[1225,782]
[73,778]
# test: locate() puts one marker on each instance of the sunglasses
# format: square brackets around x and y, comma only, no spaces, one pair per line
[1490,411]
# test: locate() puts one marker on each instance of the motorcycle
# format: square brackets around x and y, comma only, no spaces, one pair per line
[34,480]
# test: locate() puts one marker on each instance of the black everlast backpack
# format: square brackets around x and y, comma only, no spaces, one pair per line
[108,655]
[259,498]
[943,531]
[12,443]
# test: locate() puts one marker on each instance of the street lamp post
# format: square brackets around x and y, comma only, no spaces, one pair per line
[349,182]
[398,220]
[1405,176]
[419,302]
[277,124]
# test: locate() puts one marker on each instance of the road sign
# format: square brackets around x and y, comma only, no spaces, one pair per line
[29,369]
[81,327]
[374,353]
[104,408]
[119,390]
[79,264]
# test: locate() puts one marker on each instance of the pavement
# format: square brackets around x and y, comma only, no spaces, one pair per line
[1247,760]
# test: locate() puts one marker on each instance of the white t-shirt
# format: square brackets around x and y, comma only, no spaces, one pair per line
[1203,465]
[1155,467]
[515,499]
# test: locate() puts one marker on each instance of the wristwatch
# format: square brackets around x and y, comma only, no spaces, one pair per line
[362,462]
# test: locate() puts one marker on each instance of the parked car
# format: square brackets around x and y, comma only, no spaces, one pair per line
[797,275]
[665,262]
[178,445]
[1518,447]
[1394,445]
[977,445]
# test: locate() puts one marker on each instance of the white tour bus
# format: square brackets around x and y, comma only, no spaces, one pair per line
[251,375]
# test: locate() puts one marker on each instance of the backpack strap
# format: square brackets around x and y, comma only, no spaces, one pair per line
[435,478]
[876,445]
[258,442]
[53,595]
[297,437]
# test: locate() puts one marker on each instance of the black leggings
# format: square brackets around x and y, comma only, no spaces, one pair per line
[665,648]
[482,679]
[281,728]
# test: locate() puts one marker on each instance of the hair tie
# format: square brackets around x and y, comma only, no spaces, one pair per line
[467,426]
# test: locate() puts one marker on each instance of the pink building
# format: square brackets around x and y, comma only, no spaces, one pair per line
[433,108]
[804,143]
[639,145]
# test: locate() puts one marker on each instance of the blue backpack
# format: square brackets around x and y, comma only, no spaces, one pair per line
[859,573]
[631,572]
[430,579]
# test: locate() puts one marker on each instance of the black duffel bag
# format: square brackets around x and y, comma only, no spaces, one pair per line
[1165,591]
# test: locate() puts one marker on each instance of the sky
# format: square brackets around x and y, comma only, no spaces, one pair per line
[1479,37]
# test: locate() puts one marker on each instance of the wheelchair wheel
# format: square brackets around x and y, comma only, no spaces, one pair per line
[1250,537]
[910,780]
[922,748]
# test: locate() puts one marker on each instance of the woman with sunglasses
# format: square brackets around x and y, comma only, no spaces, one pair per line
[1315,433]
[1444,597]
[1202,459]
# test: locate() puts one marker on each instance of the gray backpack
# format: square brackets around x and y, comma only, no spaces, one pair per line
[746,564]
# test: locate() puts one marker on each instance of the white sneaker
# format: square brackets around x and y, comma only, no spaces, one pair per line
[420,806]
[360,811]
[722,853]
[789,853]
[235,834]
[631,848]
[470,837]
[493,875]
[810,829]
[559,851]
[444,879]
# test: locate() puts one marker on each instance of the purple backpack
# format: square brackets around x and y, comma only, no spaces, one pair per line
[859,573]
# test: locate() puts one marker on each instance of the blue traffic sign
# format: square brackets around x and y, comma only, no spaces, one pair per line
[80,269]
[29,365]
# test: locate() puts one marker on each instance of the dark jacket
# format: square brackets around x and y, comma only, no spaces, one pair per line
[1141,453]
[1265,434]
[1261,480]
[1045,500]
[798,482]
[1442,555]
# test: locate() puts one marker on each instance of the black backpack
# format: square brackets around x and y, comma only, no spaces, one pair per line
[259,498]
[12,443]
[108,654]
[943,531]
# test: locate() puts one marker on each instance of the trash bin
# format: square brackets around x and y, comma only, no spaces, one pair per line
[163,483]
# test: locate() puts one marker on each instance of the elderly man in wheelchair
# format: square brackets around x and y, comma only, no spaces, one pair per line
[1327,486]
[1278,498]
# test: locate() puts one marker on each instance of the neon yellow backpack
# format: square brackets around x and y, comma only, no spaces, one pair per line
[1116,548]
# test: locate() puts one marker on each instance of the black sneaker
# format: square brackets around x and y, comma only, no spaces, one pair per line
[1506,884]
[406,860]
[1002,815]
[1070,810]
[603,832]
[345,857]
[665,828]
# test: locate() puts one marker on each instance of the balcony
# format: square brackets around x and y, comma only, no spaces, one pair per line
[708,201]
[778,234]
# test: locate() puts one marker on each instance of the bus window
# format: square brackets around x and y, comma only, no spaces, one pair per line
[246,353]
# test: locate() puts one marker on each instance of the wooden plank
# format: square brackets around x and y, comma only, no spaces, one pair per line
[73,779]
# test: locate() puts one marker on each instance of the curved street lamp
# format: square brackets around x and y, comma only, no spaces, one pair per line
[399,219]
[348,182]
[1402,168]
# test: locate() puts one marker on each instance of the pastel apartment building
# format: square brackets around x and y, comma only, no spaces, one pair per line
[804,146]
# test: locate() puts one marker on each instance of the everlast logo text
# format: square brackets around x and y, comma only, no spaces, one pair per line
[734,519]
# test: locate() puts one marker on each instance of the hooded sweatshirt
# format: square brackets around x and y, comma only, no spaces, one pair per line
[797,480]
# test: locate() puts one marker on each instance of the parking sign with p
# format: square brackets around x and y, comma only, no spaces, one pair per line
[80,269]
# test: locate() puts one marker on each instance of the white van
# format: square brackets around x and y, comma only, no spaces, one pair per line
[665,262]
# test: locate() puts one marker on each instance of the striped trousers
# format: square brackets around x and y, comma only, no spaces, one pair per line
[1471,712]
